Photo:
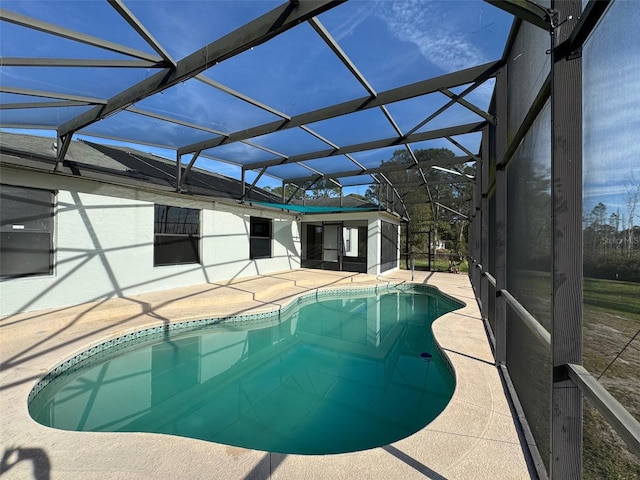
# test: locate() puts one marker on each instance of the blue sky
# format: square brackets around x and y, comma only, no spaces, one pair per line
[611,78]
[392,43]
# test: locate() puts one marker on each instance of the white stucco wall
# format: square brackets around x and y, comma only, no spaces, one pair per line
[373,246]
[103,242]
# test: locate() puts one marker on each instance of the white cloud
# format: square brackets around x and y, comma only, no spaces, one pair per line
[433,31]
[351,22]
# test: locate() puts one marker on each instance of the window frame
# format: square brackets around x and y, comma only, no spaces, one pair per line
[28,227]
[256,239]
[174,233]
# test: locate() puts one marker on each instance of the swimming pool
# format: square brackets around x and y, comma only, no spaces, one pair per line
[336,373]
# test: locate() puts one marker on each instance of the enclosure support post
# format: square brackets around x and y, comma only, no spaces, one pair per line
[500,248]
[566,204]
[483,168]
[429,251]
[243,185]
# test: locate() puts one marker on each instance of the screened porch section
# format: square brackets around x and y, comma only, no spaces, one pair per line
[335,246]
[350,245]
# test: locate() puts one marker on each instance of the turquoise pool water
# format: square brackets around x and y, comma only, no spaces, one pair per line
[337,374]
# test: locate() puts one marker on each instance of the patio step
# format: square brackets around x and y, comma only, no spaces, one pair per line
[232,297]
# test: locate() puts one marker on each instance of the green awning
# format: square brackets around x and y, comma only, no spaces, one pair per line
[316,208]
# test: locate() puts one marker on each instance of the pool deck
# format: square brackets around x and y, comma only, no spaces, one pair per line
[474,438]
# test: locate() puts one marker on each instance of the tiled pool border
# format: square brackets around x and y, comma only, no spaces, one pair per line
[134,338]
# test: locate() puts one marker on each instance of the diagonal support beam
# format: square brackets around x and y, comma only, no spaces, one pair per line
[346,61]
[78,62]
[335,182]
[525,10]
[318,136]
[463,148]
[142,31]
[444,107]
[468,105]
[175,121]
[61,152]
[438,201]
[249,35]
[355,162]
[57,96]
[20,106]
[455,171]
[268,150]
[183,174]
[252,186]
[290,196]
[455,211]
[234,93]
[52,29]
[313,182]
[307,167]
[409,150]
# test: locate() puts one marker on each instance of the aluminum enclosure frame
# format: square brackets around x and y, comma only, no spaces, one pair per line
[568,25]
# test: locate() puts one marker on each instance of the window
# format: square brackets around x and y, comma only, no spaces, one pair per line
[177,234]
[260,238]
[26,231]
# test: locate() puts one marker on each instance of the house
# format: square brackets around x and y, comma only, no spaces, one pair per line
[110,223]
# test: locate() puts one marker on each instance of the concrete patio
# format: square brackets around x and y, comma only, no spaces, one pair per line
[475,437]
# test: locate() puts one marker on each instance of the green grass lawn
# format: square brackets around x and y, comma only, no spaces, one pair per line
[611,318]
[611,295]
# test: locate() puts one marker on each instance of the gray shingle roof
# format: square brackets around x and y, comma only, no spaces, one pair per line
[84,157]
